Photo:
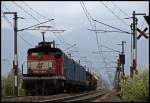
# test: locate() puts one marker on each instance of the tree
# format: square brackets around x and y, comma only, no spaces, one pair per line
[136,89]
[7,84]
[3,82]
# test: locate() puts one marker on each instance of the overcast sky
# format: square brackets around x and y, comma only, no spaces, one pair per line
[70,16]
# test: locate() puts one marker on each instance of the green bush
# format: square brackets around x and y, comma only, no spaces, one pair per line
[7,85]
[3,84]
[136,89]
[21,92]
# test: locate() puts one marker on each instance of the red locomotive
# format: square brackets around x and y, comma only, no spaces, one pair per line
[50,70]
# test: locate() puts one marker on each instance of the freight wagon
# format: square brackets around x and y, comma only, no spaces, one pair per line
[91,81]
[75,75]
[51,70]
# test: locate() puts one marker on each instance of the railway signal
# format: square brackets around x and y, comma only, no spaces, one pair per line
[134,29]
[142,33]
[122,60]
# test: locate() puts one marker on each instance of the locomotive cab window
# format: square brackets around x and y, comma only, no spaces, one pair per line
[34,54]
[55,53]
[37,53]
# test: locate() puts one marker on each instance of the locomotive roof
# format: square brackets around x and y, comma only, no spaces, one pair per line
[43,49]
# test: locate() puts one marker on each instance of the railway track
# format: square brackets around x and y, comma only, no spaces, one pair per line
[110,96]
[31,98]
[65,97]
[82,97]
[87,98]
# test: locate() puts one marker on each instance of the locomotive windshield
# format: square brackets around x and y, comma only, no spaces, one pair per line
[54,52]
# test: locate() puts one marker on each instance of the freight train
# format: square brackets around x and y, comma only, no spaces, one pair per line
[49,69]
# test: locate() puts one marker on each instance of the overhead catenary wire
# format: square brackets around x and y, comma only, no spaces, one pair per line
[26,41]
[105,31]
[63,41]
[90,18]
[8,21]
[99,49]
[37,12]
[19,35]
[114,14]
[142,25]
[87,14]
[12,26]
[34,10]
[35,25]
[96,34]
[85,11]
[5,16]
[115,5]
[111,26]
[110,48]
[26,12]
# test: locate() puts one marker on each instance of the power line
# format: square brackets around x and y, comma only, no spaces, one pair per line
[142,25]
[19,35]
[105,31]
[12,26]
[36,12]
[33,9]
[84,8]
[62,39]
[35,25]
[5,6]
[100,49]
[120,9]
[112,27]
[8,21]
[87,14]
[25,11]
[96,34]
[89,17]
[28,14]
[6,17]
[110,48]
[25,41]
[114,14]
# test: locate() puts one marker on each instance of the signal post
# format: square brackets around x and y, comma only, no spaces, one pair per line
[15,61]
[133,68]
